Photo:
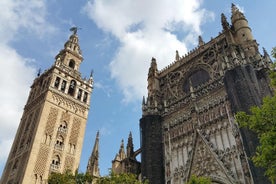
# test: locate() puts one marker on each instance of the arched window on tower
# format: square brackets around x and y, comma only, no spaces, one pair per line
[63,86]
[55,163]
[72,64]
[57,82]
[85,95]
[63,127]
[79,94]
[59,143]
[72,87]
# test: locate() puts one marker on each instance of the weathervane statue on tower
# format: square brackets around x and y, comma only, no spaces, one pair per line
[74,29]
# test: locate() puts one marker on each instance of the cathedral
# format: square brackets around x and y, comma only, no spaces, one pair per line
[187,126]
[50,135]
[188,122]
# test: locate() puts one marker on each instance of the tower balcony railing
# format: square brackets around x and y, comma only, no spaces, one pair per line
[58,147]
[62,130]
[54,167]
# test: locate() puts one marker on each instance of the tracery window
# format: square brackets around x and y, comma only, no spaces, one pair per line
[197,78]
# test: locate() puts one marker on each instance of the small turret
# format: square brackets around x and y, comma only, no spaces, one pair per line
[240,25]
[153,82]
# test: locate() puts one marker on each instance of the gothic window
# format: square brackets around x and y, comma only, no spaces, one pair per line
[85,97]
[72,63]
[63,85]
[79,94]
[57,82]
[72,87]
[197,78]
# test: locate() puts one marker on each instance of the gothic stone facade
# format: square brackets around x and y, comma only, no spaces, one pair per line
[127,162]
[50,135]
[188,125]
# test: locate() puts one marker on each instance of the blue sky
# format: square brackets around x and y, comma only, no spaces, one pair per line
[117,39]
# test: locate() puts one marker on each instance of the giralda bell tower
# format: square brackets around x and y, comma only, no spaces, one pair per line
[50,135]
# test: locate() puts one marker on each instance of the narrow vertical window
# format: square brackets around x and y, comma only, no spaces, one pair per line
[79,94]
[85,97]
[72,87]
[72,63]
[63,86]
[57,82]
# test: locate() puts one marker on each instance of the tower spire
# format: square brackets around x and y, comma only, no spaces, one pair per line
[224,22]
[130,148]
[70,56]
[93,163]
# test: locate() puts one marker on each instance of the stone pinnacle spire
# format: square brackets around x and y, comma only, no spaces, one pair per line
[93,163]
[130,146]
[224,22]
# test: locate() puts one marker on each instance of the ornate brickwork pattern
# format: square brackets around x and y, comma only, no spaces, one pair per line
[65,117]
[42,158]
[69,104]
[22,164]
[69,163]
[75,131]
[51,121]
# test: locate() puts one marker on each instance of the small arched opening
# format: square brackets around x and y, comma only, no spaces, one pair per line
[72,64]
[72,87]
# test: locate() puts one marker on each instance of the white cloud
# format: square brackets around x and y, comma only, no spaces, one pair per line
[16,18]
[106,89]
[27,15]
[146,29]
[15,81]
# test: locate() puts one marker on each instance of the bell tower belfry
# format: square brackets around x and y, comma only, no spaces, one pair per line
[51,132]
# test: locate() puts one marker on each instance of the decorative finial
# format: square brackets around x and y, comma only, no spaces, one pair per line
[234,8]
[91,73]
[122,144]
[98,134]
[144,101]
[177,57]
[39,72]
[200,41]
[265,52]
[224,22]
[74,29]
